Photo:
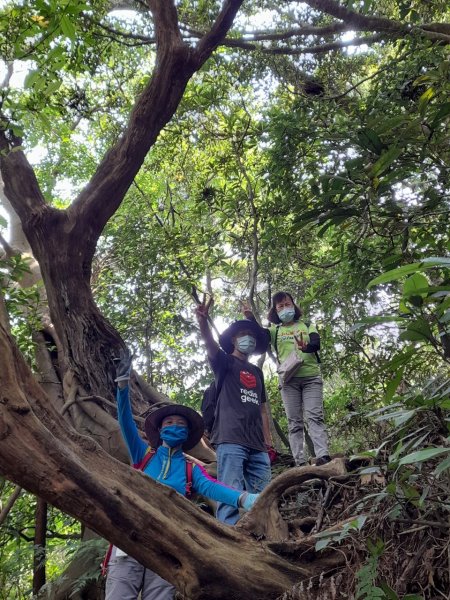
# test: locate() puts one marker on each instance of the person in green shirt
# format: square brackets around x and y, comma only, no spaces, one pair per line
[302,395]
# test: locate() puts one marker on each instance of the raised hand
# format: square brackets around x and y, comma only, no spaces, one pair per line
[301,344]
[246,308]
[202,309]
[123,365]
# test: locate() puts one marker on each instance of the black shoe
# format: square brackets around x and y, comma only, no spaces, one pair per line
[323,460]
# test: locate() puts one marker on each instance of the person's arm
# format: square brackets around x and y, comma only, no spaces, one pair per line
[265,412]
[209,487]
[247,311]
[273,454]
[266,427]
[313,344]
[202,311]
[136,446]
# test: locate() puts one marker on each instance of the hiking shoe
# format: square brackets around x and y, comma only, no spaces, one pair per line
[323,460]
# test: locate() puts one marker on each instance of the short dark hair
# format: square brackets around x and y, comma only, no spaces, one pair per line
[278,297]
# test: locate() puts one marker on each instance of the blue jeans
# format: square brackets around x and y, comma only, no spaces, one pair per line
[243,469]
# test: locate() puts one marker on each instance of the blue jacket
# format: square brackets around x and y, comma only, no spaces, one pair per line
[168,466]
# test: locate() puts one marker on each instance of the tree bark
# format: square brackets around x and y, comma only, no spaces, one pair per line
[11,501]
[40,533]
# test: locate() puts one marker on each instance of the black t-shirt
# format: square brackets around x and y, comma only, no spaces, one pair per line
[238,411]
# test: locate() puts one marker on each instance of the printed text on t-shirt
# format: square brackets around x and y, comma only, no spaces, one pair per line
[249,396]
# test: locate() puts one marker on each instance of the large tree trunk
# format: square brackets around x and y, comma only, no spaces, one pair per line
[150,521]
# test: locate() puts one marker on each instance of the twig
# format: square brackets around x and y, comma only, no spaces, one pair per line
[425,523]
[412,530]
[9,250]
[322,510]
[73,401]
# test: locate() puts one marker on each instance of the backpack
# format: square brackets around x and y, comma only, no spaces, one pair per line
[140,466]
[307,323]
[208,407]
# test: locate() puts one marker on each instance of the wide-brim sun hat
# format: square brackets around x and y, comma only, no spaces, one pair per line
[160,410]
[260,334]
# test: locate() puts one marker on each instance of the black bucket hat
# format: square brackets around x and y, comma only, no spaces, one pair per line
[160,410]
[260,334]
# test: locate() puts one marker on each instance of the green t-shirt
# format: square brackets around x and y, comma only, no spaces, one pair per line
[286,343]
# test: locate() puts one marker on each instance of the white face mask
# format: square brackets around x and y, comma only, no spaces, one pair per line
[246,344]
[287,314]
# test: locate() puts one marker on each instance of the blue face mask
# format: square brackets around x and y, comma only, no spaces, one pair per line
[246,344]
[286,314]
[174,435]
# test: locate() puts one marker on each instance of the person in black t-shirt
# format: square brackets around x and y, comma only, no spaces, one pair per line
[240,432]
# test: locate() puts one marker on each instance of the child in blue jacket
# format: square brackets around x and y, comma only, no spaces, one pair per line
[170,430]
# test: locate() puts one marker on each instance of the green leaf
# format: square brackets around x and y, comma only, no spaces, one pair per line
[68,28]
[436,261]
[445,317]
[393,385]
[422,455]
[400,416]
[383,409]
[31,79]
[417,331]
[369,321]
[441,114]
[321,544]
[394,274]
[385,161]
[424,100]
[53,86]
[369,139]
[357,523]
[391,123]
[442,466]
[414,283]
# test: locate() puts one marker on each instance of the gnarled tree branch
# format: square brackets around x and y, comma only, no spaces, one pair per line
[175,64]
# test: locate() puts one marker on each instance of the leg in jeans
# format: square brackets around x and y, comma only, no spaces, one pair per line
[313,409]
[257,472]
[156,588]
[124,578]
[230,470]
[291,395]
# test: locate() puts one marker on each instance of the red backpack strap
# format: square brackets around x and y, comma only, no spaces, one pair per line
[189,468]
[104,566]
[149,454]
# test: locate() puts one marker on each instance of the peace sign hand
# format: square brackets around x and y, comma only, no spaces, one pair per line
[202,309]
[246,309]
[301,344]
